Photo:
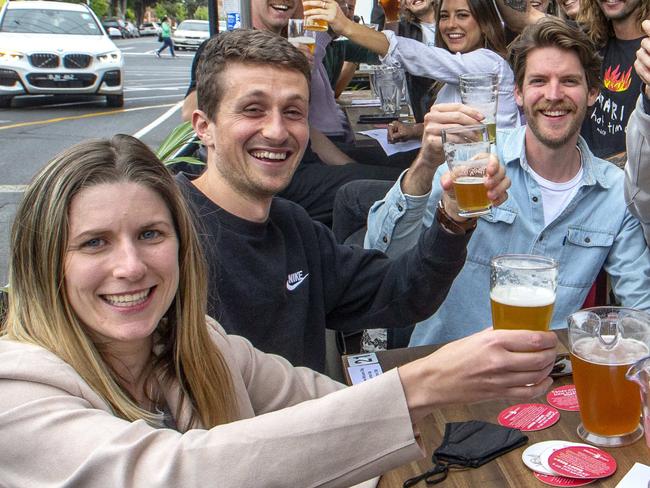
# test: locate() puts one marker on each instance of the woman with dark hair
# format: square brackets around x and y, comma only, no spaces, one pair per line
[112,376]
[469,39]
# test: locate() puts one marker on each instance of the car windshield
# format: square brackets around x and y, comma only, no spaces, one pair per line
[194,26]
[48,21]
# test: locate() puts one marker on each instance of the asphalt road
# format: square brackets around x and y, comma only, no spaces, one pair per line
[36,128]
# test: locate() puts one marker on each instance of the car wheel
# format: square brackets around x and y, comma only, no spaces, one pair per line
[115,100]
[5,101]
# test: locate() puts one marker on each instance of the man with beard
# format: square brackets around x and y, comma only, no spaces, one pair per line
[614,26]
[564,202]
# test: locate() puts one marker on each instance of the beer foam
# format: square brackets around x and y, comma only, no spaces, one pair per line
[301,40]
[469,180]
[626,351]
[523,296]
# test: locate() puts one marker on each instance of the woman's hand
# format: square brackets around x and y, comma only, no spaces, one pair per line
[491,364]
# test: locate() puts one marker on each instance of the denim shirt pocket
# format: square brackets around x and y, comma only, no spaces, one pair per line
[583,248]
[494,237]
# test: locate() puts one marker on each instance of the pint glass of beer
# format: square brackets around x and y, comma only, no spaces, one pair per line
[391,9]
[480,91]
[315,24]
[467,152]
[297,35]
[522,291]
[604,343]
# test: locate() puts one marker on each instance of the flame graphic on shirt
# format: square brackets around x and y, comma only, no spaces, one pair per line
[616,81]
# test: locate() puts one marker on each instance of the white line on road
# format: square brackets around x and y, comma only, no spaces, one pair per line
[12,188]
[149,88]
[158,121]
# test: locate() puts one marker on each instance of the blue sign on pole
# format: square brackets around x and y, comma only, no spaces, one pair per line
[233,21]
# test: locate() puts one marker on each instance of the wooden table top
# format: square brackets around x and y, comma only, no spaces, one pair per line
[507,470]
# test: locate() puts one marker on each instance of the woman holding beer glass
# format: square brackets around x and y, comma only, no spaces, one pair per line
[469,39]
[111,375]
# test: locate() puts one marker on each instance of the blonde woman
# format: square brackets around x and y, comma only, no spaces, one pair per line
[112,376]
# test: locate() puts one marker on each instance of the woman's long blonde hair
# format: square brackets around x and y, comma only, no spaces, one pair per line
[598,27]
[39,310]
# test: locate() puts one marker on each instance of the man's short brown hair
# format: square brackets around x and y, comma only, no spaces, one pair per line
[554,32]
[254,47]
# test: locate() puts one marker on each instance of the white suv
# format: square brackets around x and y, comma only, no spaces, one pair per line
[57,48]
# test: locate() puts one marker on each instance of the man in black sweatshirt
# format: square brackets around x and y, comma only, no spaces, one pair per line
[276,276]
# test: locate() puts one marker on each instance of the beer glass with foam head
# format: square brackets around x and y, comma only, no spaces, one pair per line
[467,152]
[604,343]
[480,91]
[522,291]
[297,35]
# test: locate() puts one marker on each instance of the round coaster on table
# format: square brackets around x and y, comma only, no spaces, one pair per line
[564,398]
[529,416]
[582,462]
[535,457]
[562,480]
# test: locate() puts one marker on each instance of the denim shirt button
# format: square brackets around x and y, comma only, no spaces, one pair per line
[535,199]
[399,207]
[587,240]
[384,239]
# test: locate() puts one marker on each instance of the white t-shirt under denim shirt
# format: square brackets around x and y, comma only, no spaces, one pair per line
[556,196]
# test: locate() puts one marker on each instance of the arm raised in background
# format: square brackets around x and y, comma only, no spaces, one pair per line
[517,14]
[330,11]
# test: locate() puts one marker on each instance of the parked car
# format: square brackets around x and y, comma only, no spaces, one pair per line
[133,30]
[57,48]
[150,29]
[118,24]
[113,32]
[190,34]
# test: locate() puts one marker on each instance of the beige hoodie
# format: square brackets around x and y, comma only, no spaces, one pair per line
[56,431]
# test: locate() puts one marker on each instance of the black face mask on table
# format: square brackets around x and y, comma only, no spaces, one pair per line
[469,445]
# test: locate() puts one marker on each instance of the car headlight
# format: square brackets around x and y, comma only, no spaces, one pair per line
[7,55]
[111,57]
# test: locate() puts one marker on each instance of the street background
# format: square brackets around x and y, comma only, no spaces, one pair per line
[38,127]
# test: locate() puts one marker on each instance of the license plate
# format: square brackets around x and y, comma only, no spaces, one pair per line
[61,77]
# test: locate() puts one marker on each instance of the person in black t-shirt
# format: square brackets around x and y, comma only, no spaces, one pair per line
[615,28]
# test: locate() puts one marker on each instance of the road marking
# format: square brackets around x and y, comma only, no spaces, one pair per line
[149,88]
[83,116]
[12,188]
[158,121]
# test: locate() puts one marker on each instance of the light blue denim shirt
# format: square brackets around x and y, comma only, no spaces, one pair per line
[594,231]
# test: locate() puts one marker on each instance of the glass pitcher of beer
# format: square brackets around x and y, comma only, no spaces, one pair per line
[640,373]
[522,291]
[604,343]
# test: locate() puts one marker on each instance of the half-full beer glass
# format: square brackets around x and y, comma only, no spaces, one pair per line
[297,35]
[481,91]
[522,291]
[604,343]
[467,152]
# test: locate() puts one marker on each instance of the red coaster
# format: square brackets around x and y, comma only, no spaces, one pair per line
[582,462]
[529,416]
[562,480]
[564,398]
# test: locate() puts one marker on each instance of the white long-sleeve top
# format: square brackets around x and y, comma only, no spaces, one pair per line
[442,65]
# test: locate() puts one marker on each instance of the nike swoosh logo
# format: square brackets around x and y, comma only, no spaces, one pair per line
[295,285]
